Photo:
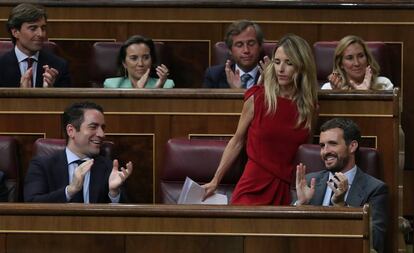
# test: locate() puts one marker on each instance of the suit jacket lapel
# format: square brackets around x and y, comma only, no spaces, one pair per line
[61,171]
[357,193]
[320,188]
[14,69]
[39,70]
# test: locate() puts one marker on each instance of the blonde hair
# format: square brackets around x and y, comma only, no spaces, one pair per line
[343,44]
[305,82]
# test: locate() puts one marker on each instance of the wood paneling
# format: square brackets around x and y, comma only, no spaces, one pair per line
[42,243]
[181,228]
[185,244]
[139,149]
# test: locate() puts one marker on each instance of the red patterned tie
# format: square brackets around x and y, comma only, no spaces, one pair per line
[29,62]
[29,65]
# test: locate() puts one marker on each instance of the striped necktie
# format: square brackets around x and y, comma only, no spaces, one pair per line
[244,79]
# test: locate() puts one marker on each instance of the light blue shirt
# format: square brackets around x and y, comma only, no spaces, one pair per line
[252,73]
[350,174]
[122,82]
[72,157]
[21,59]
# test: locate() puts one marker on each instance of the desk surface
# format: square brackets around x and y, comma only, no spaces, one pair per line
[395,4]
[304,221]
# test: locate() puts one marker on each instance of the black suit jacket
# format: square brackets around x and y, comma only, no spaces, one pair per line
[364,189]
[10,72]
[47,178]
[215,77]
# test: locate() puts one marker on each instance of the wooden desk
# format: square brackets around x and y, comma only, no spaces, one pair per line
[172,228]
[141,121]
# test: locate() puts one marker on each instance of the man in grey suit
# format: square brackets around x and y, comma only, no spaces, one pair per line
[343,183]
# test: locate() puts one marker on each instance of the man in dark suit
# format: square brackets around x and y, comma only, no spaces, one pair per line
[78,173]
[244,40]
[28,64]
[343,183]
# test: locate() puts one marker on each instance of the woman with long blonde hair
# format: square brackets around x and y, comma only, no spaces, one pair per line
[276,118]
[355,68]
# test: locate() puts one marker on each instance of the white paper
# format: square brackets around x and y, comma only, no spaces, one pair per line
[192,193]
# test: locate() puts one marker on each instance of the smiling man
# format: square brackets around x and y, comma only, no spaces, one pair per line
[78,173]
[343,183]
[28,64]
[244,40]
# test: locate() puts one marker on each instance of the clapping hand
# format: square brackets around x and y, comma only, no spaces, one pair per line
[162,72]
[263,64]
[233,77]
[339,186]
[118,177]
[26,79]
[78,177]
[49,76]
[142,81]
[366,83]
[303,191]
[336,81]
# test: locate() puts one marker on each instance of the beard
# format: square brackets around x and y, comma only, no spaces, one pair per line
[339,165]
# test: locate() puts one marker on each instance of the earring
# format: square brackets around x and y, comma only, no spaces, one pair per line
[125,73]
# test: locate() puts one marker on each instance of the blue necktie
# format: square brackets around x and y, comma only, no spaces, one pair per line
[244,79]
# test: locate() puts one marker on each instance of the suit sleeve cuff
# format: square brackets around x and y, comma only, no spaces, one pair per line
[114,199]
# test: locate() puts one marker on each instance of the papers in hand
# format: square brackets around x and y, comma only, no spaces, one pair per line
[192,193]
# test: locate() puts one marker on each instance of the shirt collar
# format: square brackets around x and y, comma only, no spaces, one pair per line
[72,156]
[22,56]
[252,72]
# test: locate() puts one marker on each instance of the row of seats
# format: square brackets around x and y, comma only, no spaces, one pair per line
[104,61]
[194,158]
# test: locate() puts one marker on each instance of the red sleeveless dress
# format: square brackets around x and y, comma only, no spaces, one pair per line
[272,142]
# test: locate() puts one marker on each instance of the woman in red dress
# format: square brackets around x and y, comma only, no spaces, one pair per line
[276,118]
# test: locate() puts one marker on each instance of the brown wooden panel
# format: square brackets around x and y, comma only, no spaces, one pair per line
[183,125]
[50,243]
[78,54]
[178,228]
[3,246]
[187,61]
[184,244]
[301,245]
[138,148]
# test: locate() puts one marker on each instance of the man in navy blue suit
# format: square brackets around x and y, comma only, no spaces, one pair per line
[244,40]
[28,64]
[78,173]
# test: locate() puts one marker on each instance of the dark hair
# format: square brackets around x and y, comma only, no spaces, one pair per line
[24,13]
[136,39]
[238,27]
[74,114]
[350,128]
